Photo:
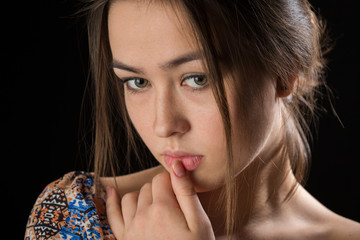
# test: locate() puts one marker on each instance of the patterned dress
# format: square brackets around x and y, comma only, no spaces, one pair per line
[68,209]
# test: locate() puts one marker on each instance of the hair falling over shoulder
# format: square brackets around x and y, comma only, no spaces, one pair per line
[281,38]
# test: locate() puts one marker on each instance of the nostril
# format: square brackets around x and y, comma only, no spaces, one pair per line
[170,124]
[170,117]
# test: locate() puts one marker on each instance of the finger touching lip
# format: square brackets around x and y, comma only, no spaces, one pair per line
[190,161]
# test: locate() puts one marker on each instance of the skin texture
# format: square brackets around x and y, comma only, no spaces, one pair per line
[178,116]
[171,112]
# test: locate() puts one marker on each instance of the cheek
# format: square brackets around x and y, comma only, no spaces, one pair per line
[208,126]
[252,123]
[210,137]
[140,113]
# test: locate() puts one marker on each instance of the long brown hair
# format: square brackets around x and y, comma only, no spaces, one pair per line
[243,38]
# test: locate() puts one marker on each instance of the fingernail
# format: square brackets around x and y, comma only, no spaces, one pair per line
[178,169]
[109,192]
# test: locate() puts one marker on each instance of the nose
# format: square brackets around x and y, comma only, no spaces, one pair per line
[170,117]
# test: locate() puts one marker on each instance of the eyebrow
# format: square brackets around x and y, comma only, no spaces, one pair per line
[165,66]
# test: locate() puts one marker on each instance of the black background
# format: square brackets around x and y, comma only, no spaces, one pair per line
[44,68]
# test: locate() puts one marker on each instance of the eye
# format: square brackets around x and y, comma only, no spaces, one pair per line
[195,81]
[136,83]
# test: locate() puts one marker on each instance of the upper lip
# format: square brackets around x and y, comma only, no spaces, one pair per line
[178,154]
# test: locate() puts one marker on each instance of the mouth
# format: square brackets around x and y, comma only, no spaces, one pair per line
[189,161]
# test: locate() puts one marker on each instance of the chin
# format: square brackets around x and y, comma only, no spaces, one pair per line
[205,184]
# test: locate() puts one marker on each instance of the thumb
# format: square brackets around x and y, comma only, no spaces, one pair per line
[186,195]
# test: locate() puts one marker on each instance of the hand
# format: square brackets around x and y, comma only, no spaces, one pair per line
[167,208]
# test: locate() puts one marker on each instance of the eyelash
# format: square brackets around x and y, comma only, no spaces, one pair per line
[125,81]
[186,77]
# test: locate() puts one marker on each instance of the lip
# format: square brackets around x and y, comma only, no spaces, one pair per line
[189,161]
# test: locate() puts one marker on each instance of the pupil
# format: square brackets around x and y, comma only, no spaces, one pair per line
[200,80]
[140,82]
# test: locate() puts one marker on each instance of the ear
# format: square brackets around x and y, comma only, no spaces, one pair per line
[284,89]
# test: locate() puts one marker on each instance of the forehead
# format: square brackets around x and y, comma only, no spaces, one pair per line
[138,29]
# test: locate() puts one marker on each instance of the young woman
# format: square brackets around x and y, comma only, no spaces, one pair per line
[221,93]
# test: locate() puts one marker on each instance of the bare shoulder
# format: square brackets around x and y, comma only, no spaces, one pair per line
[131,182]
[336,227]
[322,223]
[343,228]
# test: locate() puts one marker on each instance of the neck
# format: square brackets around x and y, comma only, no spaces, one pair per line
[262,189]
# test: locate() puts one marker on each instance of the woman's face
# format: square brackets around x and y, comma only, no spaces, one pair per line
[170,101]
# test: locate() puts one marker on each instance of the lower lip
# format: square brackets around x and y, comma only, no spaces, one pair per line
[189,162]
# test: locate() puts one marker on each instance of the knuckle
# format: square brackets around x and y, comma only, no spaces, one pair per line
[157,211]
[161,177]
[141,213]
[146,187]
[129,197]
[160,210]
[186,191]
